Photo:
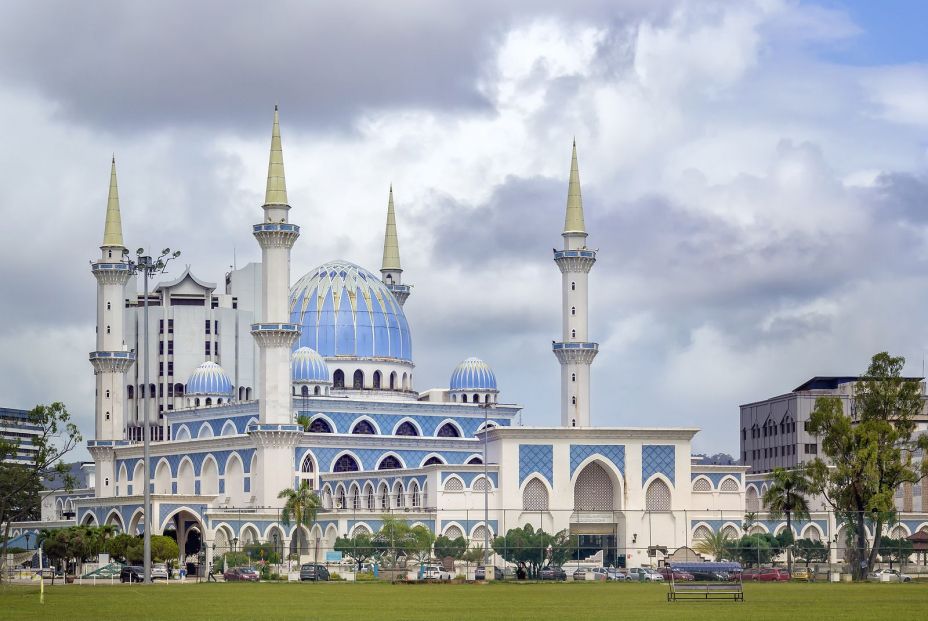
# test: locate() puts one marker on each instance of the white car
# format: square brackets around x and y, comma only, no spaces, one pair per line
[892,575]
[644,574]
[159,571]
[434,572]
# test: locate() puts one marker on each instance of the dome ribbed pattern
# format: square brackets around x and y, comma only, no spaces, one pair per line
[210,380]
[344,310]
[473,374]
[308,367]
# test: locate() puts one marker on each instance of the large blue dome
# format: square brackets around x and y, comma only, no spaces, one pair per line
[308,367]
[344,310]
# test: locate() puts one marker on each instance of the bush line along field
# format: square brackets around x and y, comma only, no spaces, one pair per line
[432,602]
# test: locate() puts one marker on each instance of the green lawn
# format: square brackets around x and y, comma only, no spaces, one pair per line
[536,602]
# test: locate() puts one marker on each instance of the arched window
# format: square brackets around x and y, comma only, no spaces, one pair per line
[657,497]
[369,496]
[573,401]
[702,485]
[463,398]
[358,380]
[338,379]
[340,498]
[308,465]
[535,496]
[730,531]
[476,398]
[475,461]
[454,484]
[317,391]
[573,334]
[377,377]
[384,497]
[346,463]
[130,392]
[448,431]
[453,532]
[355,498]
[481,484]
[407,429]
[432,461]
[573,377]
[393,380]
[304,391]
[320,425]
[209,401]
[593,490]
[701,533]
[363,428]
[389,463]
[729,485]
[751,500]
[573,286]
[415,500]
[573,310]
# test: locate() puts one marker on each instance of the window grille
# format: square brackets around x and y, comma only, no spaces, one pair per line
[657,497]
[535,496]
[729,485]
[454,485]
[702,485]
[481,485]
[593,490]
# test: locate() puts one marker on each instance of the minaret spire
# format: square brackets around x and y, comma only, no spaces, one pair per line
[276,193]
[112,231]
[391,244]
[575,352]
[390,270]
[573,221]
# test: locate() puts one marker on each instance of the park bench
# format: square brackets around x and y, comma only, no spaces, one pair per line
[732,589]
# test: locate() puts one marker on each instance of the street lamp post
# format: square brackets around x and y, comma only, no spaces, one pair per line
[148,267]
[486,492]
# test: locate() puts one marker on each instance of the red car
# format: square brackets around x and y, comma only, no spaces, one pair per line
[678,575]
[765,574]
[246,574]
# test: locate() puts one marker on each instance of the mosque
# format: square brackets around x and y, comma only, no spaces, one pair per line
[267,385]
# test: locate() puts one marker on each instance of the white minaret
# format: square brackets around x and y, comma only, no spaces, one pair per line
[276,434]
[390,271]
[110,359]
[574,351]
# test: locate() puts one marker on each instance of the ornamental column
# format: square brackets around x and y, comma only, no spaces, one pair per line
[574,351]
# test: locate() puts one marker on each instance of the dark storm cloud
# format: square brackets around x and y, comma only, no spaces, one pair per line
[130,66]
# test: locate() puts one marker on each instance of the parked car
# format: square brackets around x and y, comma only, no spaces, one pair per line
[710,575]
[765,574]
[892,575]
[481,573]
[678,575]
[802,574]
[159,571]
[553,572]
[241,574]
[644,574]
[433,573]
[132,573]
[313,571]
[603,573]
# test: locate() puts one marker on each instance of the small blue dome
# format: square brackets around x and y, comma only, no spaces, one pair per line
[209,379]
[308,367]
[344,310]
[473,374]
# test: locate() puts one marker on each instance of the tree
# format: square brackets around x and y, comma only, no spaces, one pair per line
[750,518]
[359,548]
[870,451]
[301,505]
[163,549]
[529,547]
[453,548]
[55,547]
[717,545]
[393,540]
[896,550]
[420,543]
[756,549]
[21,483]
[810,551]
[787,495]
[119,546]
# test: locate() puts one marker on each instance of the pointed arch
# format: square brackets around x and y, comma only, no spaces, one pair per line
[369,500]
[702,484]
[729,484]
[138,478]
[185,477]
[346,461]
[535,495]
[731,531]
[751,500]
[354,496]
[702,531]
[415,497]
[813,531]
[432,459]
[163,477]
[205,431]
[228,429]
[209,476]
[320,423]
[136,522]
[475,460]
[308,465]
[361,528]
[481,483]
[114,518]
[597,485]
[448,428]
[390,461]
[406,426]
[399,494]
[365,425]
[383,495]
[658,496]
[182,434]
[341,497]
[453,530]
[235,479]
[454,483]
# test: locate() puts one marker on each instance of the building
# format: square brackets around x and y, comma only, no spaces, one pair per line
[16,429]
[328,397]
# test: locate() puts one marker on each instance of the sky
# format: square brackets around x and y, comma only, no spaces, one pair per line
[754,177]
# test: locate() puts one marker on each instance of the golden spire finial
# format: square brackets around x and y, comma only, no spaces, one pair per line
[391,244]
[276,193]
[112,230]
[573,221]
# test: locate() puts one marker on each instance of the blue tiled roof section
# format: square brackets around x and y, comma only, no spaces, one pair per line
[536,458]
[473,374]
[658,459]
[209,379]
[613,452]
[344,310]
[308,366]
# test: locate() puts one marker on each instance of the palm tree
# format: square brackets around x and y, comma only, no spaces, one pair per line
[787,495]
[303,421]
[717,545]
[301,505]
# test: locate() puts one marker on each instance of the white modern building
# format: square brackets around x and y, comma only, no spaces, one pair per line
[270,384]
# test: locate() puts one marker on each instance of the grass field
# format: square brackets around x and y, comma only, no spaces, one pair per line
[536,602]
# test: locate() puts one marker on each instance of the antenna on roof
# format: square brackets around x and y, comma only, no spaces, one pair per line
[234,264]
